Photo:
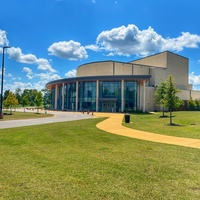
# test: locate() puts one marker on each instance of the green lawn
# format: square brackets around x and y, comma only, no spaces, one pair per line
[75,160]
[187,124]
[24,115]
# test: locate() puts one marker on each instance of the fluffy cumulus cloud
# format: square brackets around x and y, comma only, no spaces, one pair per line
[29,73]
[17,55]
[194,80]
[127,40]
[48,73]
[44,78]
[71,74]
[3,38]
[16,85]
[69,50]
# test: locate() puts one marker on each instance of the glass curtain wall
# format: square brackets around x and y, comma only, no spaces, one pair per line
[52,103]
[109,96]
[130,95]
[59,101]
[87,96]
[70,96]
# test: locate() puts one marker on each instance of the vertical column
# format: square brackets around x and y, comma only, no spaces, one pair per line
[144,96]
[56,97]
[76,95]
[139,96]
[122,96]
[63,95]
[97,95]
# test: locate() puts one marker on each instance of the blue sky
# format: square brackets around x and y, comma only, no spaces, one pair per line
[49,39]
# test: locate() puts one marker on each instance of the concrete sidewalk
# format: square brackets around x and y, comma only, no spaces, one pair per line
[58,117]
[114,125]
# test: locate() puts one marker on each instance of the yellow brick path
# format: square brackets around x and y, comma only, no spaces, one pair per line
[114,125]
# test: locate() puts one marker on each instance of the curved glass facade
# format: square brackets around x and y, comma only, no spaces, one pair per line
[102,94]
[70,96]
[87,96]
[130,95]
[109,96]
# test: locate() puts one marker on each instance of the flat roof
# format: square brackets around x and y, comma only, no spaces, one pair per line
[102,78]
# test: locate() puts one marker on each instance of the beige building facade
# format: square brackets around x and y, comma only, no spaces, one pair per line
[110,86]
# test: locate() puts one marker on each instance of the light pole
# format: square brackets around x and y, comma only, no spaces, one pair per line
[1,109]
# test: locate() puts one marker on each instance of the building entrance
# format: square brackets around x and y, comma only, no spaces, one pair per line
[109,106]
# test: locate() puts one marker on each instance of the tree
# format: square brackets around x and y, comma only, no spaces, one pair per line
[171,100]
[6,93]
[38,100]
[47,97]
[11,101]
[18,93]
[31,93]
[160,95]
[25,101]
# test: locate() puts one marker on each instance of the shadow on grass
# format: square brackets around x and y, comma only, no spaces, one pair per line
[173,124]
[165,116]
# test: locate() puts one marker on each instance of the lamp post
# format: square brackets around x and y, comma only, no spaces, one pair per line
[1,109]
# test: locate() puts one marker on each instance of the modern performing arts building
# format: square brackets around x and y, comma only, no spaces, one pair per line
[111,86]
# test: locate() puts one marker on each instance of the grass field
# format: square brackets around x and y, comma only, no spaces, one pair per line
[75,160]
[187,124]
[24,115]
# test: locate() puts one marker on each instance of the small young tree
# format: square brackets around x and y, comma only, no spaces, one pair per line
[38,100]
[24,101]
[11,101]
[172,101]
[191,104]
[46,97]
[160,95]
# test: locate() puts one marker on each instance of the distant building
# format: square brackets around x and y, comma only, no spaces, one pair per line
[111,86]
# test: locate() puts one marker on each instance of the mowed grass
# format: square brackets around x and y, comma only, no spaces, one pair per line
[186,124]
[75,160]
[24,115]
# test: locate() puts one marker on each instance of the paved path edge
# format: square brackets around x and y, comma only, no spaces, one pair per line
[113,124]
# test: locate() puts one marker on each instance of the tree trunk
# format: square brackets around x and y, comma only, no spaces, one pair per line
[163,112]
[170,117]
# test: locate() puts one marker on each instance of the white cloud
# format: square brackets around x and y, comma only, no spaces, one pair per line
[10,75]
[16,85]
[130,40]
[69,50]
[44,78]
[3,38]
[186,40]
[71,74]
[194,79]
[29,72]
[48,77]
[93,47]
[45,65]
[17,55]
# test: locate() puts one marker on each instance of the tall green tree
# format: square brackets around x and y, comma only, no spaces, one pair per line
[160,96]
[6,93]
[25,101]
[31,93]
[11,101]
[171,99]
[18,94]
[38,100]
[47,97]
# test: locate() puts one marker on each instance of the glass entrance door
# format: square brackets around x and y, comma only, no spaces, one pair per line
[109,106]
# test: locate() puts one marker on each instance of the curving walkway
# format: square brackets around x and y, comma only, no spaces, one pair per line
[58,117]
[114,125]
